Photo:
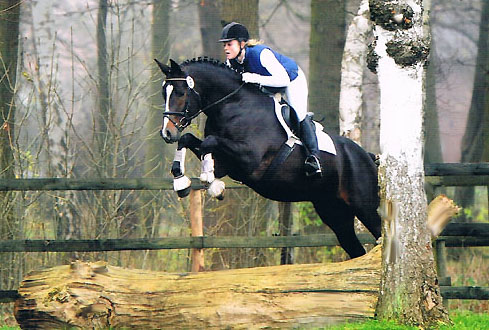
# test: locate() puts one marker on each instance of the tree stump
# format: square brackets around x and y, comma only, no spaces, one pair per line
[96,295]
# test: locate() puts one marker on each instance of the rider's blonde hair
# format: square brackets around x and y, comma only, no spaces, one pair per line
[253,42]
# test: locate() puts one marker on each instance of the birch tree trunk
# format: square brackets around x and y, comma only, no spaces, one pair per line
[409,289]
[352,65]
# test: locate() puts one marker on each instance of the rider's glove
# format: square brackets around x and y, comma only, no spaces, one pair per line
[251,78]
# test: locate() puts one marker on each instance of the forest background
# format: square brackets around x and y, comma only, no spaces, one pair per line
[85,112]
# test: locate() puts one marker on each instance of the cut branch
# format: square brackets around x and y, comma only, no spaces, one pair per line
[440,212]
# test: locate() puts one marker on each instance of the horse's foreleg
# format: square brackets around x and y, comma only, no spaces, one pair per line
[181,183]
[216,186]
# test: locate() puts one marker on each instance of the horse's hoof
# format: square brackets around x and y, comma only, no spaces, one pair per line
[207,177]
[220,197]
[216,188]
[183,193]
[182,186]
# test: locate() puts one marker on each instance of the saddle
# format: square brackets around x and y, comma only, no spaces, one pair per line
[290,117]
[289,121]
[286,113]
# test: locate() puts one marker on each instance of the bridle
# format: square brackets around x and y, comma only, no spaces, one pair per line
[186,114]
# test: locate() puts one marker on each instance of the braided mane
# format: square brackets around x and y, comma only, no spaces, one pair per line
[213,62]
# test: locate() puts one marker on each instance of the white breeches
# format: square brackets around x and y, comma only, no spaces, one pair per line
[296,94]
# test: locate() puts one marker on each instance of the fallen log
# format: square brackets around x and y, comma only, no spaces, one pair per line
[89,295]
[96,295]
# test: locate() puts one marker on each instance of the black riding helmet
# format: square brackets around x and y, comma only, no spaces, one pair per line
[234,31]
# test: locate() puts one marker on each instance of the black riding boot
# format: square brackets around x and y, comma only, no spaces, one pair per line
[312,165]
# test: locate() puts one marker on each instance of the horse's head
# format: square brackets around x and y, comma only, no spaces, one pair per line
[182,101]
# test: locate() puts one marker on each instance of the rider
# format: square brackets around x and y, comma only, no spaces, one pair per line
[261,65]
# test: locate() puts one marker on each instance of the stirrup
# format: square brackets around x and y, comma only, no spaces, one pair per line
[312,166]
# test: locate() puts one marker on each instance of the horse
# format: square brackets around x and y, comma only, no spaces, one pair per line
[242,138]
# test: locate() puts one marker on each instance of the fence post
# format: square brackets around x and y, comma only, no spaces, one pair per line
[441,266]
[196,228]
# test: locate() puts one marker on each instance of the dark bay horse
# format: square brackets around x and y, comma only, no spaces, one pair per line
[242,137]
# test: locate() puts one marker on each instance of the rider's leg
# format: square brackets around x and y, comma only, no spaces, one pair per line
[308,137]
[296,94]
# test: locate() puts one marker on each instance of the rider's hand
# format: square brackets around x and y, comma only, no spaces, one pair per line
[251,78]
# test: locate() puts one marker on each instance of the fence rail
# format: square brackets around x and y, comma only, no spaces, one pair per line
[200,242]
[448,174]
[455,234]
[43,184]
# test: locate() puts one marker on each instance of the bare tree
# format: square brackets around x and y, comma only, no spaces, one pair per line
[210,28]
[476,132]
[327,40]
[9,33]
[156,150]
[433,152]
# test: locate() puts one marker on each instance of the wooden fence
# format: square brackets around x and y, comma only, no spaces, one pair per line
[455,234]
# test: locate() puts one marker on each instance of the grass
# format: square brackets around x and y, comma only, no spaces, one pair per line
[462,320]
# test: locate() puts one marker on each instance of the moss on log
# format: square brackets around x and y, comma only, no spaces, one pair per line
[88,295]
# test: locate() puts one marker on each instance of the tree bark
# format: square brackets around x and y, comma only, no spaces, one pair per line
[244,12]
[93,295]
[210,29]
[352,68]
[409,294]
[326,42]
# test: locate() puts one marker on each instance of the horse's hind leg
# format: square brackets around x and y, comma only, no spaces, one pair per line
[339,217]
[371,220]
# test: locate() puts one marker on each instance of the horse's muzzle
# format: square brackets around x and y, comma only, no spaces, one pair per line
[168,136]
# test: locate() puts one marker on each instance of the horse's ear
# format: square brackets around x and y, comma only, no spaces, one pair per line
[164,68]
[175,68]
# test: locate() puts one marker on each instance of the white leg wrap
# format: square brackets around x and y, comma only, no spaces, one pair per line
[216,188]
[207,169]
[180,157]
[181,183]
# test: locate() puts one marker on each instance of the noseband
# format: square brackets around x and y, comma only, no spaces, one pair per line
[186,115]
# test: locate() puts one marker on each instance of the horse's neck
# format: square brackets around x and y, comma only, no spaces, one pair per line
[215,90]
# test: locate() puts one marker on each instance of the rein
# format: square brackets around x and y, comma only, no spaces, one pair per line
[185,113]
